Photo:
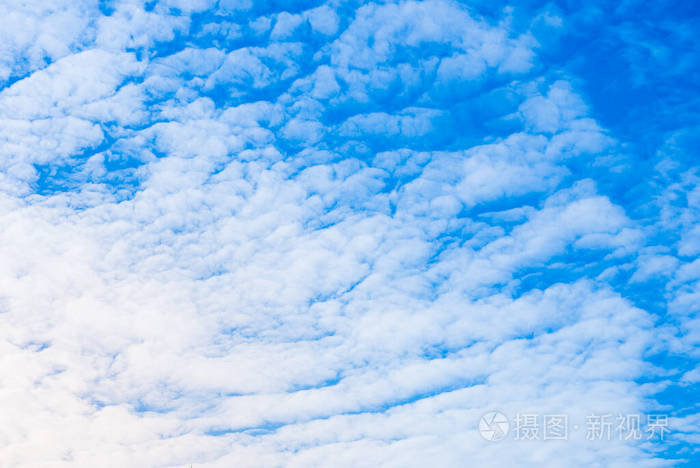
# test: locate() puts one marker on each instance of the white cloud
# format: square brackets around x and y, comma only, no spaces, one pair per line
[272,253]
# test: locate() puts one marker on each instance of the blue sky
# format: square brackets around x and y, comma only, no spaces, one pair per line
[306,233]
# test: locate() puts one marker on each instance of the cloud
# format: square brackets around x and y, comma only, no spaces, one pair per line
[238,234]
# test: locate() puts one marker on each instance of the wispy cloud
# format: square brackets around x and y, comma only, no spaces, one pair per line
[330,233]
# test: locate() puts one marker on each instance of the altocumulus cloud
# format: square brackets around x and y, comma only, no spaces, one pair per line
[306,233]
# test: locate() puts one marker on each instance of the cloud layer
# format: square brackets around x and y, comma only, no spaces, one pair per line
[312,234]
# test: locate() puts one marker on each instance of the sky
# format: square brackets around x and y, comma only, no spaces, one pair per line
[296,233]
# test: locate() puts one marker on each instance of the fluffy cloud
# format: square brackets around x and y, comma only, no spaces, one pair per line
[277,235]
